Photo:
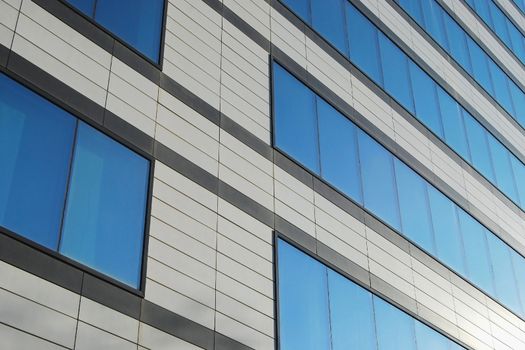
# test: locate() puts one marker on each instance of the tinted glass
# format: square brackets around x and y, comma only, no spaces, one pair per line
[364,50]
[86,6]
[395,329]
[339,156]
[428,339]
[425,98]
[519,267]
[36,139]
[351,315]
[446,230]
[499,22]
[519,173]
[458,43]
[377,173]
[504,275]
[476,252]
[479,149]
[303,301]
[480,66]
[413,204]
[300,7]
[138,22]
[295,119]
[516,40]
[503,168]
[499,79]
[434,24]
[105,211]
[328,17]
[518,101]
[396,81]
[453,125]
[413,7]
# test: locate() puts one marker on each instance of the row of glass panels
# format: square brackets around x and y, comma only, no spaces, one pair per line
[136,22]
[520,4]
[440,25]
[320,309]
[70,188]
[326,142]
[502,26]
[392,69]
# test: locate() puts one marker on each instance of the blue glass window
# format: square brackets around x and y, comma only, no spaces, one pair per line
[453,125]
[434,24]
[501,87]
[478,145]
[480,66]
[413,7]
[425,98]
[339,156]
[351,315]
[395,330]
[36,140]
[139,22]
[364,49]
[414,207]
[458,43]
[295,119]
[499,22]
[446,230]
[503,168]
[519,174]
[301,7]
[70,188]
[396,81]
[303,301]
[377,174]
[328,17]
[105,212]
[429,339]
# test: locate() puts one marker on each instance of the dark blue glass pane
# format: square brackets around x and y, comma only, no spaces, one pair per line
[518,101]
[414,207]
[458,43]
[519,267]
[425,98]
[499,22]
[482,9]
[138,23]
[453,126]
[504,275]
[480,66]
[364,50]
[446,230]
[85,6]
[413,7]
[476,252]
[429,339]
[500,80]
[303,301]
[503,168]
[519,174]
[328,18]
[395,329]
[295,119]
[301,8]
[106,205]
[516,40]
[339,156]
[433,15]
[479,148]
[351,315]
[395,72]
[377,174]
[36,139]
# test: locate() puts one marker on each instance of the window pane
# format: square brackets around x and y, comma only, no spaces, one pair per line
[339,156]
[479,149]
[395,72]
[351,315]
[364,50]
[36,140]
[480,66]
[446,230]
[517,42]
[519,173]
[482,9]
[377,174]
[476,252]
[453,126]
[518,101]
[328,18]
[504,280]
[433,15]
[395,329]
[138,23]
[303,301]
[519,267]
[425,98]
[499,22]
[429,339]
[502,168]
[105,211]
[85,6]
[300,7]
[414,207]
[458,43]
[499,79]
[413,7]
[295,119]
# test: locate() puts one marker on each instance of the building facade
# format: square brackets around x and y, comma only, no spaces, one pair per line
[262,174]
